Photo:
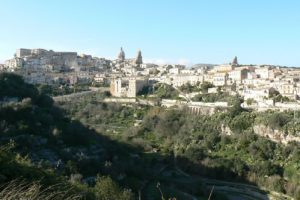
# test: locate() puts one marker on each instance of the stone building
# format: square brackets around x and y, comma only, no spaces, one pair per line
[257,94]
[263,72]
[181,79]
[39,59]
[42,60]
[288,90]
[14,63]
[22,53]
[237,75]
[223,68]
[220,79]
[127,87]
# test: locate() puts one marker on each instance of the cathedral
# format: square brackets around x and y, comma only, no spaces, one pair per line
[138,61]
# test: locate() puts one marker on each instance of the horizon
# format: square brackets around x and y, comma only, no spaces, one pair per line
[166,32]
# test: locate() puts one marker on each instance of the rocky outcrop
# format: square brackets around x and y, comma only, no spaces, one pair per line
[274,134]
[225,130]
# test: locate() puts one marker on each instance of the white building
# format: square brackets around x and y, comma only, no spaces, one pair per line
[264,72]
[188,71]
[223,68]
[174,71]
[287,90]
[237,75]
[183,79]
[220,79]
[256,94]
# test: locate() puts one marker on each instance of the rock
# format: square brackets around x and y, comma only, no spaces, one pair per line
[274,134]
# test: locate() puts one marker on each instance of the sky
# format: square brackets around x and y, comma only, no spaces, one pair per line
[166,31]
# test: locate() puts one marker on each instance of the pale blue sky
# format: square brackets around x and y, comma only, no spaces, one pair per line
[194,31]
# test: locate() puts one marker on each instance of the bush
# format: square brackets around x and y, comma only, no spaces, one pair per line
[107,189]
[205,85]
[12,85]
[276,183]
[242,122]
[195,153]
[275,120]
[166,91]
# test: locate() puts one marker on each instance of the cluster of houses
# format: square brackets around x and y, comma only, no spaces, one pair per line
[249,81]
[129,76]
[40,66]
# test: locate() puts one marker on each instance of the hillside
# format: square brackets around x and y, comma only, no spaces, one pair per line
[41,146]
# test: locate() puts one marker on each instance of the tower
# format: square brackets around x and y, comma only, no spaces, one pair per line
[235,61]
[139,59]
[121,55]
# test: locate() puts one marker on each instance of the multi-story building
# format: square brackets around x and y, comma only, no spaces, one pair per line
[23,52]
[14,63]
[287,90]
[263,72]
[237,75]
[127,87]
[181,79]
[223,68]
[101,78]
[174,71]
[37,59]
[258,94]
[220,79]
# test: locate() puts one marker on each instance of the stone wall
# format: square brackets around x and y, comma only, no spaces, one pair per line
[120,100]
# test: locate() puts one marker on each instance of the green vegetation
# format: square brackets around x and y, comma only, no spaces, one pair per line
[199,87]
[188,88]
[57,90]
[96,150]
[44,148]
[159,91]
[13,86]
[205,86]
[277,97]
[106,188]
[250,101]
[199,146]
[220,96]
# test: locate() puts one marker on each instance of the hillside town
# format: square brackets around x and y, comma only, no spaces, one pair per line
[128,76]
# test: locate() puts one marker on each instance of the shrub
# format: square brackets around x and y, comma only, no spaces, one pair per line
[107,189]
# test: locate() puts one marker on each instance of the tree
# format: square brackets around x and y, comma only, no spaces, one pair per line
[107,189]
[250,101]
[12,85]
[236,108]
[205,85]
[273,93]
[278,120]
[242,122]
